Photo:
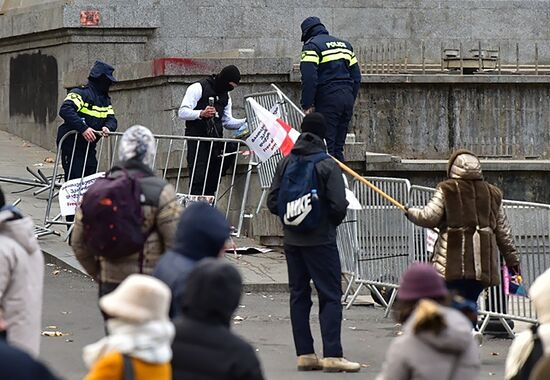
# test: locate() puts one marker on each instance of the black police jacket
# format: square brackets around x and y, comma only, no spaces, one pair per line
[85,107]
[327,63]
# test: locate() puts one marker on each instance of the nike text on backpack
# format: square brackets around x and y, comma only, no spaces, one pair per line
[112,216]
[298,202]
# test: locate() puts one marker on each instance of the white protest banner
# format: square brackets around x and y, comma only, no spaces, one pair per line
[261,142]
[274,132]
[70,194]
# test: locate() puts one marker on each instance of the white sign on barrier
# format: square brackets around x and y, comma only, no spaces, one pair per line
[431,238]
[70,194]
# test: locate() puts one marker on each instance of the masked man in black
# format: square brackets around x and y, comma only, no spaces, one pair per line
[206,109]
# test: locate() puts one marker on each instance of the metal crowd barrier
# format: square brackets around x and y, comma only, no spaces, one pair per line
[277,102]
[347,247]
[387,244]
[384,238]
[221,184]
[531,230]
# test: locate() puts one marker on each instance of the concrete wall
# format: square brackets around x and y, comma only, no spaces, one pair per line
[272,27]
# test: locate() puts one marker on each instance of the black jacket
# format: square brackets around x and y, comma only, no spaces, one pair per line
[204,348]
[327,64]
[17,365]
[332,192]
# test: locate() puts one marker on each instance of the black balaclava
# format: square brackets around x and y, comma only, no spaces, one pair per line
[228,74]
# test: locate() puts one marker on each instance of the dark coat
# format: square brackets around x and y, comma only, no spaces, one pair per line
[327,64]
[204,348]
[332,193]
[17,365]
[202,232]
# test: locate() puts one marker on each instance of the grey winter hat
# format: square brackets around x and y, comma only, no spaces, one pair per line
[139,144]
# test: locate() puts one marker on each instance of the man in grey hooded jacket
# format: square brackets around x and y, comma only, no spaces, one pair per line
[21,279]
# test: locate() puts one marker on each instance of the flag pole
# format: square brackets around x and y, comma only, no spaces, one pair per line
[353,173]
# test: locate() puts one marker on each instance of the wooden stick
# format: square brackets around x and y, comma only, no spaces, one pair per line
[353,173]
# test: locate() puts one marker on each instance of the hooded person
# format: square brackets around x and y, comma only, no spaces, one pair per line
[472,225]
[202,232]
[204,347]
[207,109]
[313,254]
[331,77]
[531,345]
[436,343]
[160,210]
[140,333]
[88,111]
[21,279]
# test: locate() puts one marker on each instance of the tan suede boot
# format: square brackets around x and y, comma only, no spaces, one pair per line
[309,362]
[339,365]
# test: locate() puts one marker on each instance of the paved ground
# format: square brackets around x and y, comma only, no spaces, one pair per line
[70,305]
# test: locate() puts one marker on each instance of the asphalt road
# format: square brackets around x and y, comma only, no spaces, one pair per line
[71,306]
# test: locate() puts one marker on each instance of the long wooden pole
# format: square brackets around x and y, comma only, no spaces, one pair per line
[356,175]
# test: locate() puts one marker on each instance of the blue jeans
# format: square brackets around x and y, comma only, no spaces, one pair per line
[322,265]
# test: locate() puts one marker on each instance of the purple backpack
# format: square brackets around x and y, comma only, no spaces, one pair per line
[112,216]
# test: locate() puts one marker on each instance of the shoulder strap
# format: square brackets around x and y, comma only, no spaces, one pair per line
[128,372]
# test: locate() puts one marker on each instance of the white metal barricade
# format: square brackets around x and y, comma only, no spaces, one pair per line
[384,239]
[218,180]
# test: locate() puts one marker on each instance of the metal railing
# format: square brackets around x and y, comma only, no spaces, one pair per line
[387,244]
[211,173]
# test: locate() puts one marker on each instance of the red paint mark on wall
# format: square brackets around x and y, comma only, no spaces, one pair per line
[89,18]
[161,65]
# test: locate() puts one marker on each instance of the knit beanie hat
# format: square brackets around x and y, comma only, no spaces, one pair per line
[315,123]
[421,281]
[2,198]
[202,232]
[139,144]
[540,296]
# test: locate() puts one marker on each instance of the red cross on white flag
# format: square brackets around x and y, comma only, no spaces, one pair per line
[281,132]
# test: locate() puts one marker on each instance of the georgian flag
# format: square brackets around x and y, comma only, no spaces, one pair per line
[282,134]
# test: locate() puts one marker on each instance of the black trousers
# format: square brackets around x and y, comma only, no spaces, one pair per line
[322,265]
[206,164]
[337,108]
[104,289]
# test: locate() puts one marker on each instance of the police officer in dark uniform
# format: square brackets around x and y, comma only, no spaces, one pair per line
[206,108]
[330,81]
[86,109]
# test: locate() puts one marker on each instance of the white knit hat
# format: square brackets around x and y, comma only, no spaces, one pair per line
[139,298]
[540,296]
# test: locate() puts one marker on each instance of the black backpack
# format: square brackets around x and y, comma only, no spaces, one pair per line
[298,203]
[536,354]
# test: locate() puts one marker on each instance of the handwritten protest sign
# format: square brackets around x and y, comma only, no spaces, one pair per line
[261,141]
[431,239]
[70,194]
